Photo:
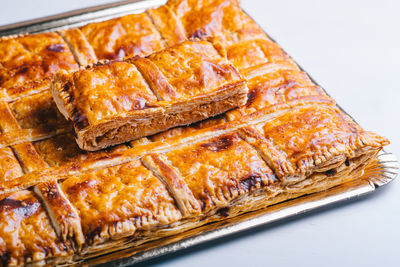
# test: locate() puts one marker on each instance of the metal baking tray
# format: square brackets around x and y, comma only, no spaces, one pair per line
[378,174]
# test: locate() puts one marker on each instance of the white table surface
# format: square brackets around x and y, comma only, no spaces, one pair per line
[352,48]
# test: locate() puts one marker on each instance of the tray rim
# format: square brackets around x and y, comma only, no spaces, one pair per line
[386,170]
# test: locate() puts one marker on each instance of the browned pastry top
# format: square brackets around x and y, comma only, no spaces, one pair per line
[217,19]
[27,63]
[9,165]
[219,169]
[278,85]
[120,194]
[109,89]
[26,231]
[313,134]
[37,111]
[127,36]
[183,72]
[58,202]
[194,68]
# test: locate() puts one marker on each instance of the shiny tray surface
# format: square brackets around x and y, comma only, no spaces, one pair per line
[378,174]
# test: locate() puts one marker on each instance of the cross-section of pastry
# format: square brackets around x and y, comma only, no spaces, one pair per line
[117,101]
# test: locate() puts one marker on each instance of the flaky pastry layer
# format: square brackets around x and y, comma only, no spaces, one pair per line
[115,102]
[289,139]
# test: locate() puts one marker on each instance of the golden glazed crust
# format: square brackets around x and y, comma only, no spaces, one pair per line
[127,36]
[290,139]
[215,171]
[27,63]
[168,25]
[274,86]
[113,102]
[193,69]
[26,232]
[222,19]
[224,24]
[9,165]
[80,47]
[101,92]
[115,202]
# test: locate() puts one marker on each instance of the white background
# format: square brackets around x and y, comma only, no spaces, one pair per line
[352,48]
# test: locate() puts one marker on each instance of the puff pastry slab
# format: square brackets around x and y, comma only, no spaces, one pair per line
[114,102]
[27,63]
[289,139]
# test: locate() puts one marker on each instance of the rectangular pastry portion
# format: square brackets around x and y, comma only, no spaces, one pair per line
[118,202]
[9,165]
[59,203]
[277,85]
[127,36]
[207,175]
[117,101]
[27,234]
[224,23]
[221,19]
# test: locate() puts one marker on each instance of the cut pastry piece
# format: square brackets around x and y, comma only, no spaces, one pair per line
[312,137]
[115,102]
[9,165]
[80,47]
[28,62]
[127,36]
[277,85]
[62,149]
[221,19]
[166,22]
[115,202]
[26,232]
[208,175]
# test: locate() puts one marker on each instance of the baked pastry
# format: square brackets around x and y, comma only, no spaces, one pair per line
[127,36]
[27,63]
[111,103]
[290,139]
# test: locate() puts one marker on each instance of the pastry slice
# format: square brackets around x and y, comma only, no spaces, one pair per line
[27,234]
[317,138]
[277,85]
[127,36]
[117,101]
[118,204]
[220,19]
[170,28]
[208,176]
[28,62]
[224,23]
